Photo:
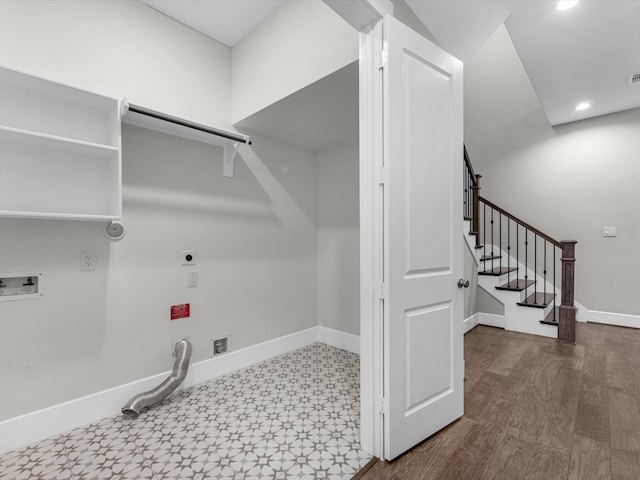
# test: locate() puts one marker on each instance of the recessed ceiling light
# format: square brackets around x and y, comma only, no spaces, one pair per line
[583,106]
[566,4]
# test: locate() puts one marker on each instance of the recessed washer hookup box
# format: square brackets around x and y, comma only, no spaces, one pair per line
[20,286]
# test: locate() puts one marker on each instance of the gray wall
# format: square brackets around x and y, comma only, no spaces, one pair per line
[403,12]
[255,235]
[569,180]
[298,44]
[488,303]
[339,238]
[475,298]
[257,270]
[471,274]
[120,49]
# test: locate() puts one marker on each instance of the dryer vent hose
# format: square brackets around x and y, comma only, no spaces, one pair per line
[137,404]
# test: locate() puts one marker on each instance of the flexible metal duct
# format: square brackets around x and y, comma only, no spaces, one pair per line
[141,401]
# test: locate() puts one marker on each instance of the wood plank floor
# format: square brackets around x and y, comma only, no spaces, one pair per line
[538,409]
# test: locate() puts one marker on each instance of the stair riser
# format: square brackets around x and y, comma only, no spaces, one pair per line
[488,284]
[530,273]
[516,318]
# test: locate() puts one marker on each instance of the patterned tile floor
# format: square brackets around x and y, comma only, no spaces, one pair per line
[296,416]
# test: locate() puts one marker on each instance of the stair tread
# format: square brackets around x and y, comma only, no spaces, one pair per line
[537,300]
[516,285]
[486,258]
[552,317]
[497,271]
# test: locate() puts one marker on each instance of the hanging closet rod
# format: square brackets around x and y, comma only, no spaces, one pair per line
[185,123]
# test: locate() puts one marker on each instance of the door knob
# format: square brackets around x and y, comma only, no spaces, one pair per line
[463,283]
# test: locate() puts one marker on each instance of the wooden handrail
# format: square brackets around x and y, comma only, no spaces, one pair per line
[521,222]
[467,160]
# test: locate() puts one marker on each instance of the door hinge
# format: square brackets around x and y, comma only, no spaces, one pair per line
[383,408]
[382,59]
[381,290]
[382,175]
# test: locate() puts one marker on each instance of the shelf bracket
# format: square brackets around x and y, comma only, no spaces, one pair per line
[230,152]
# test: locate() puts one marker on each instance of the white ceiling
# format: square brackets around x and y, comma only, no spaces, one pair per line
[582,54]
[586,54]
[322,115]
[227,21]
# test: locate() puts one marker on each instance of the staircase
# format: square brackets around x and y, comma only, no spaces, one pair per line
[526,270]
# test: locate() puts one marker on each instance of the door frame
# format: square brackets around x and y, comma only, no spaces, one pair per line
[371,242]
[366,17]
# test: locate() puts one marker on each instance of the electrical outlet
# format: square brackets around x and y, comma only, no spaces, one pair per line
[188,257]
[608,231]
[192,279]
[87,260]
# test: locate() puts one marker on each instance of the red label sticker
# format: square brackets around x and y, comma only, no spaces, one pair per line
[179,311]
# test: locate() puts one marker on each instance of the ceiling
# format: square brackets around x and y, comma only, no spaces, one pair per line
[320,116]
[227,21]
[584,54]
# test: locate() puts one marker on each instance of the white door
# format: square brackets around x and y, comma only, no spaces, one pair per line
[423,142]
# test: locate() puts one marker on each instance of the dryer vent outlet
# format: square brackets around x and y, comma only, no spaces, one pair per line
[220,346]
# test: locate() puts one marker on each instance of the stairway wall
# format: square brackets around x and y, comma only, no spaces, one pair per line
[569,180]
[488,304]
[471,293]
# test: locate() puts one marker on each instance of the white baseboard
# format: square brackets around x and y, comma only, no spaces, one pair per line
[610,318]
[585,315]
[491,320]
[35,426]
[580,312]
[214,367]
[481,318]
[471,322]
[338,339]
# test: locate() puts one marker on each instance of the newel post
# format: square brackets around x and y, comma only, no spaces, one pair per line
[475,227]
[567,320]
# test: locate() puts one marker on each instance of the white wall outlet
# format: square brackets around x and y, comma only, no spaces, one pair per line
[188,257]
[192,279]
[88,260]
[608,231]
